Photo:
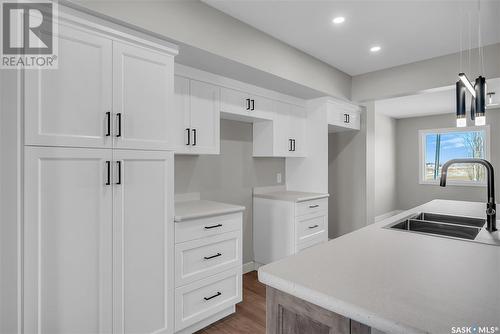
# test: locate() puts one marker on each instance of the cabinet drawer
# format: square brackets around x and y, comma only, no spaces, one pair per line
[199,300]
[313,206]
[206,227]
[313,241]
[311,226]
[208,256]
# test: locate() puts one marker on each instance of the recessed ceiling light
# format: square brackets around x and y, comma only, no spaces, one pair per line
[375,48]
[338,20]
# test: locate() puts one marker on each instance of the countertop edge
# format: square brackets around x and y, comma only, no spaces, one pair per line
[235,209]
[335,305]
[295,200]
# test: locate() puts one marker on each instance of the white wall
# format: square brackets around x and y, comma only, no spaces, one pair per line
[423,75]
[385,165]
[409,192]
[196,24]
[231,176]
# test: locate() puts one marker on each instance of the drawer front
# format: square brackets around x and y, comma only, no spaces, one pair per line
[199,300]
[311,226]
[206,227]
[203,257]
[312,241]
[313,206]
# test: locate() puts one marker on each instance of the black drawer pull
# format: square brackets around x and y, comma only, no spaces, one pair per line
[216,295]
[119,168]
[213,226]
[194,136]
[313,206]
[188,136]
[248,104]
[213,256]
[314,226]
[253,105]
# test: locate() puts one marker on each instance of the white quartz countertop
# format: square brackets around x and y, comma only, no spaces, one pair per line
[186,210]
[396,281]
[293,196]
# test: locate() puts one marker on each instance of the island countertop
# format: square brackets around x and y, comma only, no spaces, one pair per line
[399,282]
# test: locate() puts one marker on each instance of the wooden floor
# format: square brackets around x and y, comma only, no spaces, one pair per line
[250,316]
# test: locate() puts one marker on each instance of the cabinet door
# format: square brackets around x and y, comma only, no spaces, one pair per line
[143,241]
[205,118]
[67,241]
[181,123]
[297,120]
[282,130]
[261,108]
[235,102]
[68,106]
[143,86]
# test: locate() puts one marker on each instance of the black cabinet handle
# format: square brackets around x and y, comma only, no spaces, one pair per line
[213,226]
[211,257]
[248,104]
[216,295]
[253,105]
[347,118]
[314,226]
[189,136]
[108,117]
[293,141]
[108,178]
[313,206]
[119,168]
[119,116]
[290,145]
[194,136]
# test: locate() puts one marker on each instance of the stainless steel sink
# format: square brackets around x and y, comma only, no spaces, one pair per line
[441,225]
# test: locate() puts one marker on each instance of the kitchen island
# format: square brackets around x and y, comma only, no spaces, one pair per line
[390,280]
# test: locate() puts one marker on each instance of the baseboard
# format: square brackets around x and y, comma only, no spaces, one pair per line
[251,266]
[387,215]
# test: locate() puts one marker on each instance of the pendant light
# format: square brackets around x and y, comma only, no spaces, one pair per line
[461,117]
[480,101]
[478,91]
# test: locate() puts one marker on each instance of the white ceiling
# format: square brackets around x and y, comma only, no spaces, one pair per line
[407,30]
[433,102]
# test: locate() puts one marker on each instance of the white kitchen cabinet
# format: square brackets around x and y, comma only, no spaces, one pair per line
[342,116]
[236,104]
[142,97]
[284,136]
[106,93]
[144,239]
[197,117]
[71,106]
[98,241]
[208,263]
[287,223]
[67,241]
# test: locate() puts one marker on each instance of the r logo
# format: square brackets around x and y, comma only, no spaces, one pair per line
[27,28]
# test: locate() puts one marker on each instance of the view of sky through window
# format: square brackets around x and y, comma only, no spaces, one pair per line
[443,146]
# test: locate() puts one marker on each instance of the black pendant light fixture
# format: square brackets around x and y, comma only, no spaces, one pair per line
[478,91]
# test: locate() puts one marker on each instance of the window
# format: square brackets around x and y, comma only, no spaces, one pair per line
[440,145]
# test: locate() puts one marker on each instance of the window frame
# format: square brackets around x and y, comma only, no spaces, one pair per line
[421,159]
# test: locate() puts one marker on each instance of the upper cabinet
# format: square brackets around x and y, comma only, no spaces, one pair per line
[71,105]
[105,93]
[196,117]
[142,94]
[282,137]
[236,104]
[342,116]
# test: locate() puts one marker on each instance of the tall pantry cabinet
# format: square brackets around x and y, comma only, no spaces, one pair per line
[98,186]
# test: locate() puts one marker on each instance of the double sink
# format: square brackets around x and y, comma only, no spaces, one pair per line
[441,225]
